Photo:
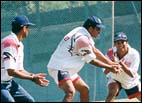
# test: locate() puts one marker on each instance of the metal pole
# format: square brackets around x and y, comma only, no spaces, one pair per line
[112,22]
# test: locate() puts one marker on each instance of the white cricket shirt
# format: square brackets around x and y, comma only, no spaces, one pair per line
[132,60]
[73,51]
[11,55]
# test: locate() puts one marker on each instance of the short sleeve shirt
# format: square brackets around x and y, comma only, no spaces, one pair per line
[132,60]
[11,55]
[73,51]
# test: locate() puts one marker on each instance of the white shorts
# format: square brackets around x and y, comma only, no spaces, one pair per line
[60,76]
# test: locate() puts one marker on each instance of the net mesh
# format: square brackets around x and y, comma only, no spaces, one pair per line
[53,20]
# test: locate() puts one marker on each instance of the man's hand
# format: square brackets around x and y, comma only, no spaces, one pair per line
[116,68]
[40,79]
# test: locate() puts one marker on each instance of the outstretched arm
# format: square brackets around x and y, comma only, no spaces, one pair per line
[37,78]
[101,57]
[89,54]
[113,68]
[111,56]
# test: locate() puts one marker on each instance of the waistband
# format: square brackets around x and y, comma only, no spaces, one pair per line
[5,82]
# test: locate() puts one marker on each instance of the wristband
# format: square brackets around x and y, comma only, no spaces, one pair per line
[32,75]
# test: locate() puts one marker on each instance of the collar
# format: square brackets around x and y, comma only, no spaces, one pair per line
[129,51]
[15,38]
[87,33]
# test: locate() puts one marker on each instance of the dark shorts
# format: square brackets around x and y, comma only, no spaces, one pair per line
[64,76]
[131,93]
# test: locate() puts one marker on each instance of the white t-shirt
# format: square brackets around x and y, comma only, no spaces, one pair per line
[11,55]
[73,51]
[132,60]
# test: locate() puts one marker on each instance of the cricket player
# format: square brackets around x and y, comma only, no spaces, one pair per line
[12,56]
[74,50]
[128,79]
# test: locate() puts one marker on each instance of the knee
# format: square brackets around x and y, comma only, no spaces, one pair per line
[113,92]
[139,96]
[84,89]
[70,93]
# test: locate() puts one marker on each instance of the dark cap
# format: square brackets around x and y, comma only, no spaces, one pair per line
[96,21]
[22,21]
[120,36]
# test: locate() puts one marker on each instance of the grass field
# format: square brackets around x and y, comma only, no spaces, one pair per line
[123,100]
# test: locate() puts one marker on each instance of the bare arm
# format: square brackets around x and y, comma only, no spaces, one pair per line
[25,72]
[37,78]
[114,59]
[19,74]
[112,68]
[106,71]
[101,56]
[126,69]
[84,48]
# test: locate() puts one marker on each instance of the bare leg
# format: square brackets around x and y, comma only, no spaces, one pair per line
[113,90]
[69,90]
[83,89]
[139,97]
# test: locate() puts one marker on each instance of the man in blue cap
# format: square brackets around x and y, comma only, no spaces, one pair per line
[12,64]
[128,79]
[76,49]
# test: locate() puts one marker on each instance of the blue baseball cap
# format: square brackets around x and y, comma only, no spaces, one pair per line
[22,21]
[96,21]
[120,36]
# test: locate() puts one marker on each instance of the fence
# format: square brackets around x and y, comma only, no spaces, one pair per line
[53,20]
